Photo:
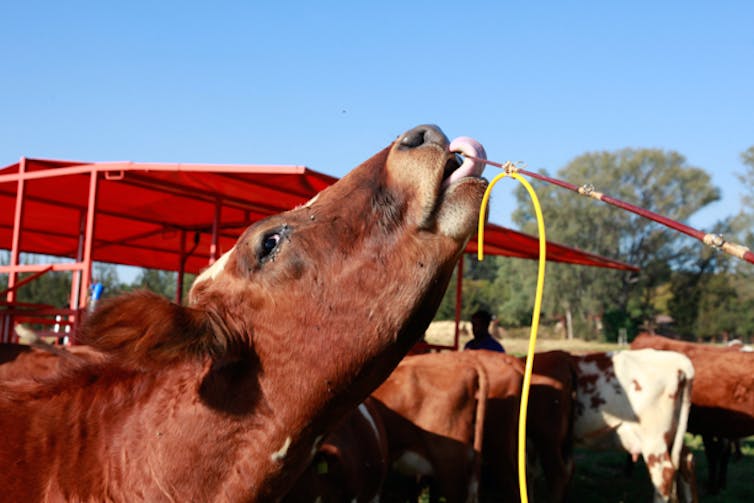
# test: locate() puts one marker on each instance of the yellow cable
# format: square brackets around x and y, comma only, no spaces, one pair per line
[534,320]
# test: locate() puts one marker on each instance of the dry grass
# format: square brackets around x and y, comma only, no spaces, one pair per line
[516,341]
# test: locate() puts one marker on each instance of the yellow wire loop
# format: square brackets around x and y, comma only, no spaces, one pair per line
[535,315]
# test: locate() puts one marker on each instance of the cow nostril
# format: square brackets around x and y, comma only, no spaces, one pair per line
[413,138]
[422,134]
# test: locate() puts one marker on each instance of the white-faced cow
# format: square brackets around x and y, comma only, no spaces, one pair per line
[722,400]
[228,398]
[638,401]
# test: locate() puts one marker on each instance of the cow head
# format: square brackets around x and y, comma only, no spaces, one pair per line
[341,287]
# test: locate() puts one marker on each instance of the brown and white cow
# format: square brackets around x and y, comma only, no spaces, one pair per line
[722,400]
[639,401]
[227,399]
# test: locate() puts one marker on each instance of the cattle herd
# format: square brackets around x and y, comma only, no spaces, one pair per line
[285,378]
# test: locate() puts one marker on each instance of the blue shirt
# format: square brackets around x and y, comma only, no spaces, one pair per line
[485,343]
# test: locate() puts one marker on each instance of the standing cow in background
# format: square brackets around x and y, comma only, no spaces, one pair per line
[433,407]
[550,420]
[227,399]
[638,401]
[722,400]
[351,464]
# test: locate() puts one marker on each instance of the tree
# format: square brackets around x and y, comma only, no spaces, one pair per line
[747,178]
[160,282]
[477,289]
[654,179]
[745,221]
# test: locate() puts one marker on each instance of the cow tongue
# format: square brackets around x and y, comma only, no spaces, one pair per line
[471,167]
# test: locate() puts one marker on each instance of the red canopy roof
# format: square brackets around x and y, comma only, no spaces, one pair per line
[151,214]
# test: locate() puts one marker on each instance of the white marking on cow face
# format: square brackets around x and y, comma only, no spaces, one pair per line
[279,455]
[214,270]
[411,463]
[311,201]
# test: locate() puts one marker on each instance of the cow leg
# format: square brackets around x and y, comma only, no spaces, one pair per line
[726,446]
[558,470]
[457,480]
[661,470]
[628,468]
[713,454]
[687,490]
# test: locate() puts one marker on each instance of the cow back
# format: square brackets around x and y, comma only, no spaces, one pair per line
[433,407]
[723,393]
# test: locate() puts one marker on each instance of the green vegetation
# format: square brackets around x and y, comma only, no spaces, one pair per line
[600,477]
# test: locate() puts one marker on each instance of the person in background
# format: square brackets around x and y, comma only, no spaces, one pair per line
[480,323]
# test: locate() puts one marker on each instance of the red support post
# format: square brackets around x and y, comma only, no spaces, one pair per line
[86,272]
[6,331]
[181,269]
[214,247]
[73,299]
[18,218]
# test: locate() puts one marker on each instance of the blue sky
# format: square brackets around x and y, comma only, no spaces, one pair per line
[327,84]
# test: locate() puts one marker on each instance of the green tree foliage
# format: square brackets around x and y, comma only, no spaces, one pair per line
[745,221]
[657,180]
[514,289]
[52,288]
[160,282]
[747,178]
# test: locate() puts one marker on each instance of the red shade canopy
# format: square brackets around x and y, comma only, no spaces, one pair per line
[152,214]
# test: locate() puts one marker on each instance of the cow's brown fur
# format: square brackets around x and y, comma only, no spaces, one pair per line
[499,480]
[433,407]
[226,399]
[550,419]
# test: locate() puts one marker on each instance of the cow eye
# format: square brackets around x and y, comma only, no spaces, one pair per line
[269,244]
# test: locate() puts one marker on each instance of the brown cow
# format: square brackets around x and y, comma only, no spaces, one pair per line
[20,361]
[433,408]
[722,399]
[227,399]
[499,479]
[11,352]
[351,464]
[550,418]
[549,422]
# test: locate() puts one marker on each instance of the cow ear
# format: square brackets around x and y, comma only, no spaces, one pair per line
[141,330]
[231,383]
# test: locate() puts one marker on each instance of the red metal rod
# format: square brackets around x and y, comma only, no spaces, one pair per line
[26,280]
[714,240]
